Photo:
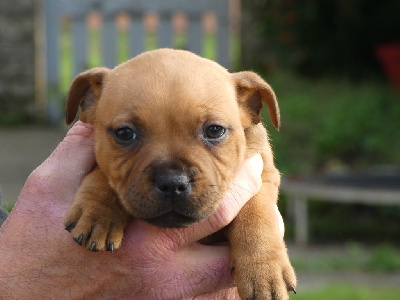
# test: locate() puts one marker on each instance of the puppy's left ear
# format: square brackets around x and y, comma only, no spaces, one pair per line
[251,90]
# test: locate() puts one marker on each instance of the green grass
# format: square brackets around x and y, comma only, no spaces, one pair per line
[8,206]
[382,258]
[347,292]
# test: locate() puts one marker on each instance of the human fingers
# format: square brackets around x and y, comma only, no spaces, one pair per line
[176,274]
[209,272]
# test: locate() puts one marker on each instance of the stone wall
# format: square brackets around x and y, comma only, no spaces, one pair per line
[17,65]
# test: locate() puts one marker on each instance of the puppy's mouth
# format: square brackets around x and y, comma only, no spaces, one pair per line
[173,219]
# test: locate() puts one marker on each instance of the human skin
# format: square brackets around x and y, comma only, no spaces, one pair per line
[39,259]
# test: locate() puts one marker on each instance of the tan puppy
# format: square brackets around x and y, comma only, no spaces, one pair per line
[171,131]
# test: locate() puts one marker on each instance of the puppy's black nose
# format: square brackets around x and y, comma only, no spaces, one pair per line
[172,184]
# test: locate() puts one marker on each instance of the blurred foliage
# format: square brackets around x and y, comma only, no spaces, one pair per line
[340,114]
[342,291]
[8,206]
[334,37]
[330,123]
[14,118]
[381,258]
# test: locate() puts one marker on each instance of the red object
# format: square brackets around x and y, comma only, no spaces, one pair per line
[389,56]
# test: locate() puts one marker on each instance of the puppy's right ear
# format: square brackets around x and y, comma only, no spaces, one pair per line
[85,91]
[252,92]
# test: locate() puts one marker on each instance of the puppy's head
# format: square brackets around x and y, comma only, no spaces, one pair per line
[170,130]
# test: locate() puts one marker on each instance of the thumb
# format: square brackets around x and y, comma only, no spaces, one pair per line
[74,157]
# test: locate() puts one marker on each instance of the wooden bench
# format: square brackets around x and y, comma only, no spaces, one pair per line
[300,191]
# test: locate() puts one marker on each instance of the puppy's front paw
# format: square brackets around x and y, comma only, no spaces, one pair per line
[96,226]
[264,278]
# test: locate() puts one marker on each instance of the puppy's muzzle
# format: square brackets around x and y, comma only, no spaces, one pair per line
[172,185]
[174,195]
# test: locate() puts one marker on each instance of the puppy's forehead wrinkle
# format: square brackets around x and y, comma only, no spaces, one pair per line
[174,92]
[216,104]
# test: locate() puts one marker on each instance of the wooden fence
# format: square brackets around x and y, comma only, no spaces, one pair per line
[76,12]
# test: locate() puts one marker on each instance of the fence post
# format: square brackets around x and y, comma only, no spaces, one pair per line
[223,34]
[54,111]
[301,220]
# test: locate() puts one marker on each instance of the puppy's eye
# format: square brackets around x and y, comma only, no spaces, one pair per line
[125,134]
[214,132]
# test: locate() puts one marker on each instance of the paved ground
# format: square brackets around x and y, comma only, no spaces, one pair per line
[22,150]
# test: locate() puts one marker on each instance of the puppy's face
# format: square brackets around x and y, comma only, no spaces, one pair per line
[169,132]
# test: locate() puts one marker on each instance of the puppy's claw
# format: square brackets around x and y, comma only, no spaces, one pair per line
[69,226]
[110,247]
[292,289]
[93,247]
[79,239]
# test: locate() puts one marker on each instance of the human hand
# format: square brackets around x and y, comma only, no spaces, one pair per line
[38,258]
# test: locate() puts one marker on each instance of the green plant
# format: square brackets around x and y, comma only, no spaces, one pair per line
[349,292]
[8,206]
[330,120]
[14,118]
[350,257]
[384,258]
